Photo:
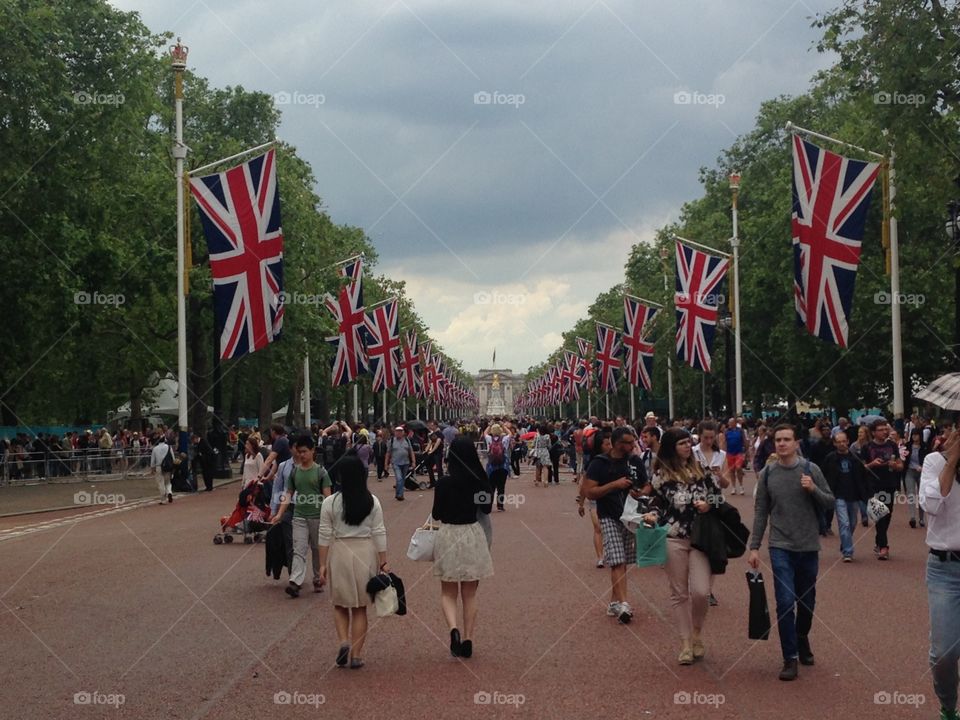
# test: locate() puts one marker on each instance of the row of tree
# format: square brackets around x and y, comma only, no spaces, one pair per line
[894,88]
[88,224]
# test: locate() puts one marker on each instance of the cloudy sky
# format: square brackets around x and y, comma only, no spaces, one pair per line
[504,156]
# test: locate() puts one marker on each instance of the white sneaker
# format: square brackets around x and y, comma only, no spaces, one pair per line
[626,613]
[613,609]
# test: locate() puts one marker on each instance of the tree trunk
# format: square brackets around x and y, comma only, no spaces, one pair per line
[234,409]
[135,421]
[266,402]
[198,379]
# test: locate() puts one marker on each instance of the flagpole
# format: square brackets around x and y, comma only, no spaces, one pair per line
[664,254]
[384,405]
[633,410]
[178,55]
[705,248]
[232,157]
[356,402]
[898,409]
[735,243]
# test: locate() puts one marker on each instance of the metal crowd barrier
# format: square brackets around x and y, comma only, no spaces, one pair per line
[28,467]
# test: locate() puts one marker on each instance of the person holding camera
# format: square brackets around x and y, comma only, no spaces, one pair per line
[609,477]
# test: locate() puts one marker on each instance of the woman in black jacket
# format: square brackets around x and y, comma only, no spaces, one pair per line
[461,555]
[916,452]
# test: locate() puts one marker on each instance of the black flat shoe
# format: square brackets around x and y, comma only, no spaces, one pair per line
[466,648]
[293,590]
[455,642]
[343,655]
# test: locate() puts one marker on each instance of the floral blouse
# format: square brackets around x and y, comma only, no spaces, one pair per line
[673,501]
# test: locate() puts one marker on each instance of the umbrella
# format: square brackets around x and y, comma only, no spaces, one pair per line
[416,425]
[867,419]
[529,435]
[943,392]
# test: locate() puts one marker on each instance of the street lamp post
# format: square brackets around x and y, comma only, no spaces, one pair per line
[178,61]
[735,244]
[664,256]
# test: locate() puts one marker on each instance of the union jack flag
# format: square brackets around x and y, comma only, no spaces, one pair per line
[637,350]
[409,368]
[347,308]
[585,372]
[608,357]
[240,213]
[831,197]
[383,344]
[698,277]
[427,370]
[571,371]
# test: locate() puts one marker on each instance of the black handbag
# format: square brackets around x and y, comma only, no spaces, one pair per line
[758,625]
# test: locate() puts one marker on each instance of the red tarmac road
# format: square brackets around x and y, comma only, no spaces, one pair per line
[141,604]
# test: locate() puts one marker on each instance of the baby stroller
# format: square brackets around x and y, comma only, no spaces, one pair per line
[250,518]
[410,481]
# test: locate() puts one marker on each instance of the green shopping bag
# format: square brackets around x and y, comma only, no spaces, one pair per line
[651,545]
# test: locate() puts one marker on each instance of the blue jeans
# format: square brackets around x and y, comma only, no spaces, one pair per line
[795,587]
[847,520]
[400,472]
[943,596]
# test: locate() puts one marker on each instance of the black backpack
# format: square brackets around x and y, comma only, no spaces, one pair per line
[166,465]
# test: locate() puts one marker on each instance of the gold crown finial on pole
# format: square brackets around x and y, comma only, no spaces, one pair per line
[178,56]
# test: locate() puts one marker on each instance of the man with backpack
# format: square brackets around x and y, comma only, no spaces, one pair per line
[400,457]
[498,463]
[789,493]
[162,458]
[735,445]
[333,446]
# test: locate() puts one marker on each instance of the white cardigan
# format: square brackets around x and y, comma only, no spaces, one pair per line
[333,527]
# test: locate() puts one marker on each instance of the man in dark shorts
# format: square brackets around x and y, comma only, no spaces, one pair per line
[608,480]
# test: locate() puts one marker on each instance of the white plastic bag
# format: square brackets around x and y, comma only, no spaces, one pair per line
[631,518]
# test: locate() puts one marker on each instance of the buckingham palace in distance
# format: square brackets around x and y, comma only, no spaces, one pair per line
[496,390]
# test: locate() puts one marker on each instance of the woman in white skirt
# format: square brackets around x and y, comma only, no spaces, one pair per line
[353,545]
[461,555]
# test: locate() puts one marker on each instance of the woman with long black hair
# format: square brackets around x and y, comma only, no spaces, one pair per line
[353,545]
[461,555]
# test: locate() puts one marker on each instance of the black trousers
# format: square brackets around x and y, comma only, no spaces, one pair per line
[207,467]
[887,498]
[498,478]
[381,467]
[555,466]
[515,464]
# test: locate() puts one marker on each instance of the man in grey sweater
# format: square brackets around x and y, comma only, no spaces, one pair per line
[791,493]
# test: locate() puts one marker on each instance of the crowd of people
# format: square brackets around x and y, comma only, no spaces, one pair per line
[677,477]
